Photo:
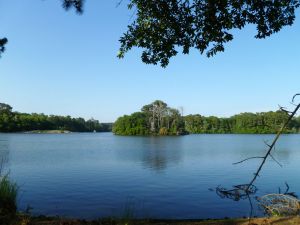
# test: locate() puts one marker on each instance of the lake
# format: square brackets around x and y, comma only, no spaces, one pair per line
[91,175]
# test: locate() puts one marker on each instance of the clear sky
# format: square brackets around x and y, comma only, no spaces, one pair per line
[58,62]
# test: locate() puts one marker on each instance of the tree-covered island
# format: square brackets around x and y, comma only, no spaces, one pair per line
[158,118]
[154,119]
[11,121]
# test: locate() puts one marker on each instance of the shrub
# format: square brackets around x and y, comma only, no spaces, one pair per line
[8,196]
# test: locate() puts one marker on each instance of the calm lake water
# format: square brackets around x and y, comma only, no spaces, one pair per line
[91,175]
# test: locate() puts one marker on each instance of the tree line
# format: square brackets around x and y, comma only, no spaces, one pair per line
[156,118]
[11,121]
[243,123]
[159,119]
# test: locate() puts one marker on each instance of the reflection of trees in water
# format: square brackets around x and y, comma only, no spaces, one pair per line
[154,153]
[4,153]
[161,152]
[282,155]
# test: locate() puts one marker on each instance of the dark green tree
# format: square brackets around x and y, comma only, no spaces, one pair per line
[3,42]
[155,118]
[11,121]
[5,108]
[164,27]
[249,123]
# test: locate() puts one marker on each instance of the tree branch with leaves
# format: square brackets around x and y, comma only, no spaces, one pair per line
[162,28]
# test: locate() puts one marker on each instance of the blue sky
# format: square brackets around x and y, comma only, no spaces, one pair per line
[58,62]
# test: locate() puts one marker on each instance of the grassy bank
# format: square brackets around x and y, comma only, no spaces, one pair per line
[8,199]
[26,220]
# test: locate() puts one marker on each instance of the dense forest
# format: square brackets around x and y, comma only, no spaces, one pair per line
[243,123]
[156,118]
[159,119]
[11,121]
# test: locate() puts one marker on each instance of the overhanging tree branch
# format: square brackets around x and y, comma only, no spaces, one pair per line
[162,28]
[3,42]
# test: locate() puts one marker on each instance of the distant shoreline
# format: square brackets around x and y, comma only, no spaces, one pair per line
[47,132]
[57,132]
[77,132]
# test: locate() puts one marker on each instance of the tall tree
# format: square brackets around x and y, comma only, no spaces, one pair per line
[5,108]
[155,118]
[156,111]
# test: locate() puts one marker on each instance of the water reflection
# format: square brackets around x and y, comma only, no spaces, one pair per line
[4,153]
[92,175]
[282,156]
[161,153]
[154,153]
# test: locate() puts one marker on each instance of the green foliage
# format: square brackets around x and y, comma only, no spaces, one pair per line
[3,42]
[16,122]
[136,124]
[77,4]
[8,196]
[244,123]
[155,119]
[158,119]
[163,27]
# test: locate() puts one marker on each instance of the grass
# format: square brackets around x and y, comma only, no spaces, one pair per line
[42,220]
[8,199]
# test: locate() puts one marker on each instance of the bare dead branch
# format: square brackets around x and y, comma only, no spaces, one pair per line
[243,191]
[266,143]
[295,97]
[255,157]
[274,142]
[251,208]
[275,160]
[287,187]
[283,109]
[119,3]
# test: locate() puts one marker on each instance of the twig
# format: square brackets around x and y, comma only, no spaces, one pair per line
[295,97]
[283,109]
[255,157]
[119,3]
[287,188]
[251,208]
[275,160]
[266,143]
